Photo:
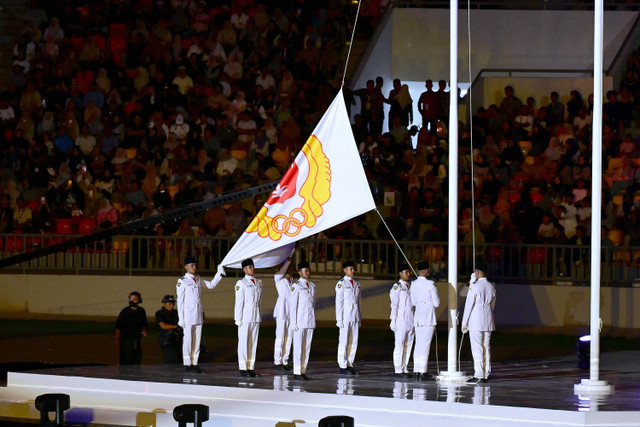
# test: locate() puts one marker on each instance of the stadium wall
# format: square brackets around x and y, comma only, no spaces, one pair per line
[105,296]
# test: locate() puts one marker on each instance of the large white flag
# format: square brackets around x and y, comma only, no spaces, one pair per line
[324,187]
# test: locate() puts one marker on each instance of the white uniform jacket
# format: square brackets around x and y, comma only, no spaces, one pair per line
[248,299]
[348,300]
[478,310]
[302,304]
[189,291]
[401,306]
[424,297]
[283,286]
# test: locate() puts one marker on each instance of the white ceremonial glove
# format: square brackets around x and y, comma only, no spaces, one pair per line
[473,278]
[339,324]
[238,323]
[181,324]
[165,128]
[465,329]
[221,270]
[294,327]
[393,325]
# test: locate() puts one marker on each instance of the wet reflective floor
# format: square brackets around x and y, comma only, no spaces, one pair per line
[545,384]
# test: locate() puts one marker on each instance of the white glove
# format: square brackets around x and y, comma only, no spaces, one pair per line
[238,323]
[294,327]
[473,278]
[465,329]
[181,324]
[339,323]
[393,325]
[221,270]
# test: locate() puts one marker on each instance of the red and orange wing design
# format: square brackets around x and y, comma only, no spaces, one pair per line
[315,192]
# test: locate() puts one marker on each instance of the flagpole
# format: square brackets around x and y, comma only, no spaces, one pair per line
[593,385]
[396,242]
[452,274]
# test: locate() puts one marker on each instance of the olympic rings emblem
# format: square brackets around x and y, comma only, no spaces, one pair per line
[290,221]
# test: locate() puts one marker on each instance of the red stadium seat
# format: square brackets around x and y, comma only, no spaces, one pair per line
[15,243]
[101,42]
[86,226]
[537,255]
[118,29]
[64,226]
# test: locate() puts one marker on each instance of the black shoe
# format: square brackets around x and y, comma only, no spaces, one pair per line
[352,370]
[197,369]
[301,377]
[408,375]
[473,380]
[244,373]
[189,369]
[279,367]
[426,377]
[400,375]
[286,367]
[253,373]
[483,381]
[345,372]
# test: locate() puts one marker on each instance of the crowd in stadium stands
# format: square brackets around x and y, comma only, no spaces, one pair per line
[122,110]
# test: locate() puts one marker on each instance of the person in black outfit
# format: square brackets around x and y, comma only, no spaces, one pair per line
[131,326]
[170,337]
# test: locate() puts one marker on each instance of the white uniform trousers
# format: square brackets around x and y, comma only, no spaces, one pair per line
[481,351]
[247,345]
[424,334]
[191,344]
[301,349]
[348,344]
[282,347]
[402,349]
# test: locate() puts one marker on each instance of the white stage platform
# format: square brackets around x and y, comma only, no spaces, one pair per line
[537,393]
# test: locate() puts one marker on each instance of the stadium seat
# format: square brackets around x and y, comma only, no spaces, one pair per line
[173,189]
[191,413]
[119,245]
[525,147]
[118,29]
[101,42]
[131,153]
[86,226]
[52,402]
[15,244]
[336,421]
[537,255]
[64,226]
[616,236]
[614,164]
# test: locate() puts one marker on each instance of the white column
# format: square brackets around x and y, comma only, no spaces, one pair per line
[452,256]
[593,385]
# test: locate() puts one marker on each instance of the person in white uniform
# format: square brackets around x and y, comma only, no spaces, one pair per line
[478,321]
[302,306]
[190,317]
[424,298]
[247,317]
[282,346]
[402,321]
[348,318]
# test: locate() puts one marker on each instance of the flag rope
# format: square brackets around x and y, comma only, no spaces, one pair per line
[353,32]
[396,242]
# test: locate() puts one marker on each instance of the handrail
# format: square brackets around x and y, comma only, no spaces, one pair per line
[159,255]
[517,4]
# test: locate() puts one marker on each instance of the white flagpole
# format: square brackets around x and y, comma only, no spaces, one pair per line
[593,384]
[452,254]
